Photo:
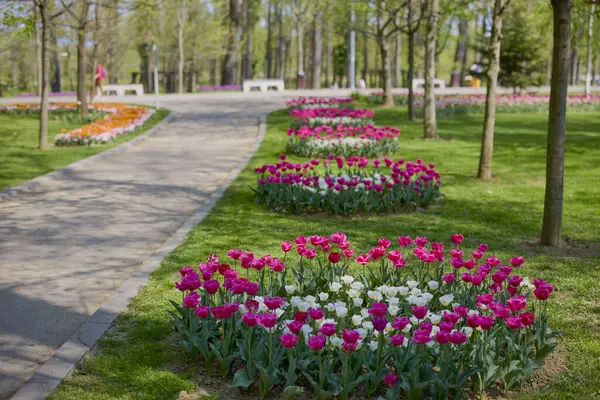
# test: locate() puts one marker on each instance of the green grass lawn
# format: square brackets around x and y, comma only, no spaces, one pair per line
[139,360]
[21,158]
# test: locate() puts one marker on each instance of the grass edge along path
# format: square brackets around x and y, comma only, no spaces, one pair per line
[24,162]
[139,359]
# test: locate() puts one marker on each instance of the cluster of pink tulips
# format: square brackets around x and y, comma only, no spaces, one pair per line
[341,140]
[331,116]
[350,185]
[408,318]
[319,102]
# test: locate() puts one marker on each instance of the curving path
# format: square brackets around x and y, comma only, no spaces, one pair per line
[67,246]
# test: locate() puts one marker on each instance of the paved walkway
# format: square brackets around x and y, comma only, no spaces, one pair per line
[67,246]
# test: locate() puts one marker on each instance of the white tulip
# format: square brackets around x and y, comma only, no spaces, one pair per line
[414,320]
[393,310]
[434,318]
[374,295]
[403,290]
[357,285]
[446,299]
[365,313]
[347,279]
[358,301]
[412,284]
[368,325]
[353,293]
[357,319]
[303,306]
[335,287]
[341,311]
[373,344]
[279,312]
[306,329]
[295,300]
[330,307]
[310,300]
[467,330]
[336,341]
[433,285]
[323,296]
[415,292]
[393,301]
[290,289]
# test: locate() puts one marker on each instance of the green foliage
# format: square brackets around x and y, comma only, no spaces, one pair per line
[522,53]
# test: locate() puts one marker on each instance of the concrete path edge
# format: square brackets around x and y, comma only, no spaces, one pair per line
[60,365]
[38,181]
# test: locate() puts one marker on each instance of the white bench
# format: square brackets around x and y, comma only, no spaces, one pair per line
[439,83]
[262,84]
[121,89]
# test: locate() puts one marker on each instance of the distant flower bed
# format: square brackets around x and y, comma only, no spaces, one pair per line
[120,119]
[347,186]
[473,104]
[331,116]
[218,88]
[51,94]
[320,102]
[366,141]
[409,319]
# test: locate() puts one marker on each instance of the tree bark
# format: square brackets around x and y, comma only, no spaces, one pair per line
[45,17]
[398,61]
[430,123]
[212,72]
[56,83]
[279,42]
[329,58]
[81,59]
[181,58]
[489,119]
[229,73]
[38,50]
[300,52]
[365,69]
[411,62]
[247,62]
[460,56]
[269,52]
[588,71]
[553,202]
[317,50]
[388,99]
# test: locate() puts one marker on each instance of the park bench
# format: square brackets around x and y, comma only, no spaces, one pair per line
[420,83]
[262,84]
[120,90]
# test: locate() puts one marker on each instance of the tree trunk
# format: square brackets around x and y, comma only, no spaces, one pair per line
[212,72]
[247,23]
[329,59]
[229,72]
[388,99]
[430,123]
[38,50]
[56,84]
[398,61]
[300,31]
[317,50]
[411,62]
[279,42]
[81,60]
[588,71]
[460,56]
[44,15]
[365,69]
[269,53]
[553,202]
[181,58]
[489,119]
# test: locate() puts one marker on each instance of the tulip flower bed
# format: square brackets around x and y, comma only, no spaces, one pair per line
[417,321]
[319,102]
[347,186]
[331,116]
[119,119]
[472,104]
[367,141]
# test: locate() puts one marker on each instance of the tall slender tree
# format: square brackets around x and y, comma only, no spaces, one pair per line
[589,73]
[317,49]
[489,119]
[229,72]
[181,17]
[430,122]
[555,153]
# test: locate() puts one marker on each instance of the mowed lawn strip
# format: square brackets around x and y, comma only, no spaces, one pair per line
[22,160]
[139,358]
